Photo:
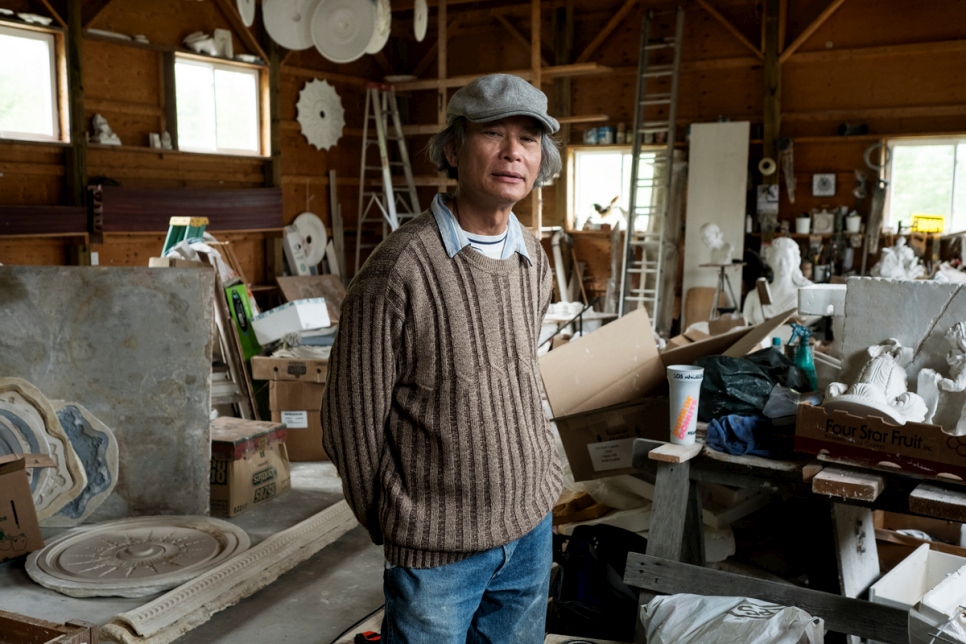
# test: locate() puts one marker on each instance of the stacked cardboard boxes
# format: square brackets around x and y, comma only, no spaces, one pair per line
[295,399]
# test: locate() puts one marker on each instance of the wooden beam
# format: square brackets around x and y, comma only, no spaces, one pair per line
[77,158]
[441,75]
[92,9]
[235,20]
[912,111]
[170,100]
[536,65]
[848,484]
[271,117]
[936,48]
[811,29]
[53,12]
[608,29]
[782,25]
[731,28]
[554,71]
[307,72]
[452,29]
[773,86]
[841,614]
[520,38]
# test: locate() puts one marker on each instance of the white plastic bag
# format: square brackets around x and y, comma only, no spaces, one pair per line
[696,619]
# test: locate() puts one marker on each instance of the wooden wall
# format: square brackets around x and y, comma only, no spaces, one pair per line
[890,64]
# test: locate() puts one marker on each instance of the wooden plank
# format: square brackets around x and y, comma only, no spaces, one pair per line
[43,220]
[515,33]
[53,13]
[92,9]
[935,501]
[301,287]
[856,553]
[848,484]
[809,30]
[608,29]
[170,100]
[553,71]
[230,10]
[671,453]
[731,28]
[841,614]
[891,536]
[306,72]
[810,470]
[77,159]
[935,48]
[671,498]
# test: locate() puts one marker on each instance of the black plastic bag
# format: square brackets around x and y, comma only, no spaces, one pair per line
[742,385]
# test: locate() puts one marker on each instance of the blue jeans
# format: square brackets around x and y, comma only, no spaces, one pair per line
[498,595]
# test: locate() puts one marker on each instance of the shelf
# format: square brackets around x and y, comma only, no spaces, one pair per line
[163,152]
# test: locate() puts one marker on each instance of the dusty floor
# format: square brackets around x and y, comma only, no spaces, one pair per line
[313,603]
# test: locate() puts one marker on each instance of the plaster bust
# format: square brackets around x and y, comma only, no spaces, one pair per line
[785,258]
[713,238]
[102,131]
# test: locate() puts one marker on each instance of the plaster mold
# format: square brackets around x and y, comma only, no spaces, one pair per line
[17,438]
[918,314]
[134,557]
[880,389]
[96,447]
[23,406]
[177,612]
[932,385]
[898,262]
[134,347]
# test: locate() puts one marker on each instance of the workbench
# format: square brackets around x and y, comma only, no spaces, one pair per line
[674,561]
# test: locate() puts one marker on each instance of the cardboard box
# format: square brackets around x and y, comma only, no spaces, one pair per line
[19,529]
[300,315]
[298,404]
[269,368]
[249,464]
[175,262]
[240,309]
[617,364]
[925,450]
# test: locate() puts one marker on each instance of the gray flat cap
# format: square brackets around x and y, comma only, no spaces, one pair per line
[497,96]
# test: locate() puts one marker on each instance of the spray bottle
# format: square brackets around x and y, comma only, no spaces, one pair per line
[803,354]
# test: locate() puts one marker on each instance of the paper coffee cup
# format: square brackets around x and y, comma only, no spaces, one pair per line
[685,385]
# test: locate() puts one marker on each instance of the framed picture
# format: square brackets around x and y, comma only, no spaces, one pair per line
[823,185]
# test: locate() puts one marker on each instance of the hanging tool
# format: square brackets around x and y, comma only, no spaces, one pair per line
[394,200]
[644,240]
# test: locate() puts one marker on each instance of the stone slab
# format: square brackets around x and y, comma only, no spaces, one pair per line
[133,346]
[917,313]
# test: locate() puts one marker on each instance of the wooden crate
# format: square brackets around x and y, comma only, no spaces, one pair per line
[17,629]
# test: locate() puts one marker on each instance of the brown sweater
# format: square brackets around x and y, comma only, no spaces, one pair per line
[432,411]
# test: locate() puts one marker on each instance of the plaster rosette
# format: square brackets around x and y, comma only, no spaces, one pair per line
[23,405]
[96,447]
[320,114]
[134,557]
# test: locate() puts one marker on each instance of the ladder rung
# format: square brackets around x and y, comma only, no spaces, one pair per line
[659,45]
[658,70]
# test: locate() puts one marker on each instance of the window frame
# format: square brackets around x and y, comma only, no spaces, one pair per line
[58,80]
[571,171]
[260,72]
[888,172]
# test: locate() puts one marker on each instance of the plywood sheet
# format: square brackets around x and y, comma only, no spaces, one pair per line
[717,180]
[134,347]
[306,286]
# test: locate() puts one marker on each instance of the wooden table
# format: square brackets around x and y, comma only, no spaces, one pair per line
[674,562]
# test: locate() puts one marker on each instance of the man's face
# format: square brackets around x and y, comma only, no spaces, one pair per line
[499,161]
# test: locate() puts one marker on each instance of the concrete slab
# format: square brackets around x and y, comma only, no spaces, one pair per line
[133,345]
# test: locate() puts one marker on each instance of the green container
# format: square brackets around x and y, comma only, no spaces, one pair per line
[241,312]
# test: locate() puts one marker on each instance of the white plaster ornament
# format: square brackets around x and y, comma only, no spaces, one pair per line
[898,262]
[134,557]
[931,383]
[288,22]
[713,238]
[420,19]
[880,389]
[342,30]
[24,407]
[246,9]
[785,258]
[380,35]
[320,114]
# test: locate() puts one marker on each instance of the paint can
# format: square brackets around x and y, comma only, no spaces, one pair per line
[605,134]
[685,391]
[590,136]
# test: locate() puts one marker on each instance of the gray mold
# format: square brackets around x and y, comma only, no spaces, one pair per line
[133,345]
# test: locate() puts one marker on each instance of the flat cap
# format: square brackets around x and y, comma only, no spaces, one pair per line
[497,96]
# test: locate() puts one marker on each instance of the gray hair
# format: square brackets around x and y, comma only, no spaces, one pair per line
[455,134]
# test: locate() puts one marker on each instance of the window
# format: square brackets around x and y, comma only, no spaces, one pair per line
[927,177]
[218,108]
[599,176]
[28,85]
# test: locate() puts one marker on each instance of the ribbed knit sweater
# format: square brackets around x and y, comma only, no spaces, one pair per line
[432,410]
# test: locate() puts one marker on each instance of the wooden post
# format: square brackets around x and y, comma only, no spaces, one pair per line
[170,99]
[77,156]
[441,74]
[563,36]
[536,199]
[773,84]
[273,165]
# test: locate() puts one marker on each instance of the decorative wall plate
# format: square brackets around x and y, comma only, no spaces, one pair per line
[320,114]
[246,9]
[24,406]
[342,29]
[420,19]
[314,237]
[134,557]
[380,36]
[289,22]
[96,447]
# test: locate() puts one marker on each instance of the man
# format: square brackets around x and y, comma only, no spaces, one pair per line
[432,412]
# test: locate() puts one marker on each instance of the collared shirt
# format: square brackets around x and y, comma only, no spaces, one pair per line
[454,239]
